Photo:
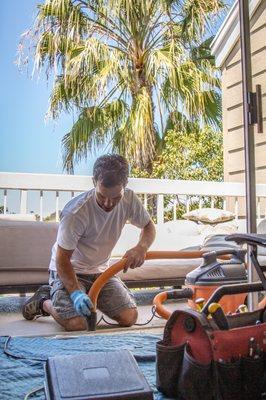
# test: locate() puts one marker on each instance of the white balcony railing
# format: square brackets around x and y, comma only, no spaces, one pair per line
[187,191]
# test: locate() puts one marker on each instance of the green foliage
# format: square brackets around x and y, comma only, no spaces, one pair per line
[128,67]
[191,156]
[196,154]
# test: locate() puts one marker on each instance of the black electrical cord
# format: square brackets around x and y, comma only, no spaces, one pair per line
[99,320]
[153,312]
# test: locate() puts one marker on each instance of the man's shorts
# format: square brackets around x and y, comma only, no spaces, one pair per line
[113,298]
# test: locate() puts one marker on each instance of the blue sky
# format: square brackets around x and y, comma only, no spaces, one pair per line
[28,143]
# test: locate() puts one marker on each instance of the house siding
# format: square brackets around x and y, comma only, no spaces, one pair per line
[232,104]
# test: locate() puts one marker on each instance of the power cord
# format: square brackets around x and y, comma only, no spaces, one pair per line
[153,312]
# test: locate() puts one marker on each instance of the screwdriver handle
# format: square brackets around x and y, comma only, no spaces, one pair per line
[200,301]
[242,308]
[218,315]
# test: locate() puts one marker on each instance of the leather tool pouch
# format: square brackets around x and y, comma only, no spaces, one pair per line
[197,361]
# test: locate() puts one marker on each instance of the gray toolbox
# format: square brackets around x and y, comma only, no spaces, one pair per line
[97,375]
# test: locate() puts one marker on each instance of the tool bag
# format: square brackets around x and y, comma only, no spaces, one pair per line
[197,361]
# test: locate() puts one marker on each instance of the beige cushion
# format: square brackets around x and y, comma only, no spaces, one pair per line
[25,250]
[129,238]
[209,215]
[262,227]
[224,228]
[174,235]
[241,225]
[160,269]
[218,242]
[180,227]
[262,250]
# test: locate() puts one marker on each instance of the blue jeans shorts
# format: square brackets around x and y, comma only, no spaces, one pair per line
[114,297]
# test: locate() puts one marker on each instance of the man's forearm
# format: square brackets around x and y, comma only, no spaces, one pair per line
[147,235]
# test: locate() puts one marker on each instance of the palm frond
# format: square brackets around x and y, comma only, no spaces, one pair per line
[92,129]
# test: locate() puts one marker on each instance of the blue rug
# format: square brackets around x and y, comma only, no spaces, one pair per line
[21,366]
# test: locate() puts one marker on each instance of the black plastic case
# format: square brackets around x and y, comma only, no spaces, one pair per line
[97,375]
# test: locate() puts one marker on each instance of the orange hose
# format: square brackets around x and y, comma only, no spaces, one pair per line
[160,309]
[119,266]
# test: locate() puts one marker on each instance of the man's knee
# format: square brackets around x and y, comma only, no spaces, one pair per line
[75,324]
[127,317]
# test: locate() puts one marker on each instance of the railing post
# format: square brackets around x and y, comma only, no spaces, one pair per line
[200,202]
[41,205]
[145,201]
[23,201]
[5,201]
[224,204]
[57,207]
[160,209]
[187,204]
[174,209]
[236,207]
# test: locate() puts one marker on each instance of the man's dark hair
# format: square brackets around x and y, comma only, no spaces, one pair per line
[111,170]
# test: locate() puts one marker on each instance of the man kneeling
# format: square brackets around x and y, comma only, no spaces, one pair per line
[90,226]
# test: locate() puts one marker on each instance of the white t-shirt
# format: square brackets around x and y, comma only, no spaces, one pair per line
[92,232]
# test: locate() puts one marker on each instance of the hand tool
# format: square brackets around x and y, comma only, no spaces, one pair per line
[218,315]
[200,303]
[242,308]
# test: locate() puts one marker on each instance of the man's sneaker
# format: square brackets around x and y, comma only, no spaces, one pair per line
[33,307]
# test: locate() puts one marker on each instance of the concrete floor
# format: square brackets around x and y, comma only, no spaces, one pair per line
[13,324]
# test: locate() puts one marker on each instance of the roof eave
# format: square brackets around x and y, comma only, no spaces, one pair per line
[229,32]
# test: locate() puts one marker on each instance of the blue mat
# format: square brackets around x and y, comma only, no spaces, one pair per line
[21,370]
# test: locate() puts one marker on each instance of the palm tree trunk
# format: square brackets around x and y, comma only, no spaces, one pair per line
[139,83]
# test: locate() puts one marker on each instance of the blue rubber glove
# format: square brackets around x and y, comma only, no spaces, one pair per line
[81,302]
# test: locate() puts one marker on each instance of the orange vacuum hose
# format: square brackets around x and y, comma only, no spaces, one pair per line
[119,266]
[161,310]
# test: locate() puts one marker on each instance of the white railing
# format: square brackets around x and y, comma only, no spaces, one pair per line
[188,191]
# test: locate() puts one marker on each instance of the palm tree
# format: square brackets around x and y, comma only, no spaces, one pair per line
[130,68]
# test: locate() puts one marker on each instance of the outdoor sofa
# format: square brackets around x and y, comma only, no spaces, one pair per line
[25,249]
